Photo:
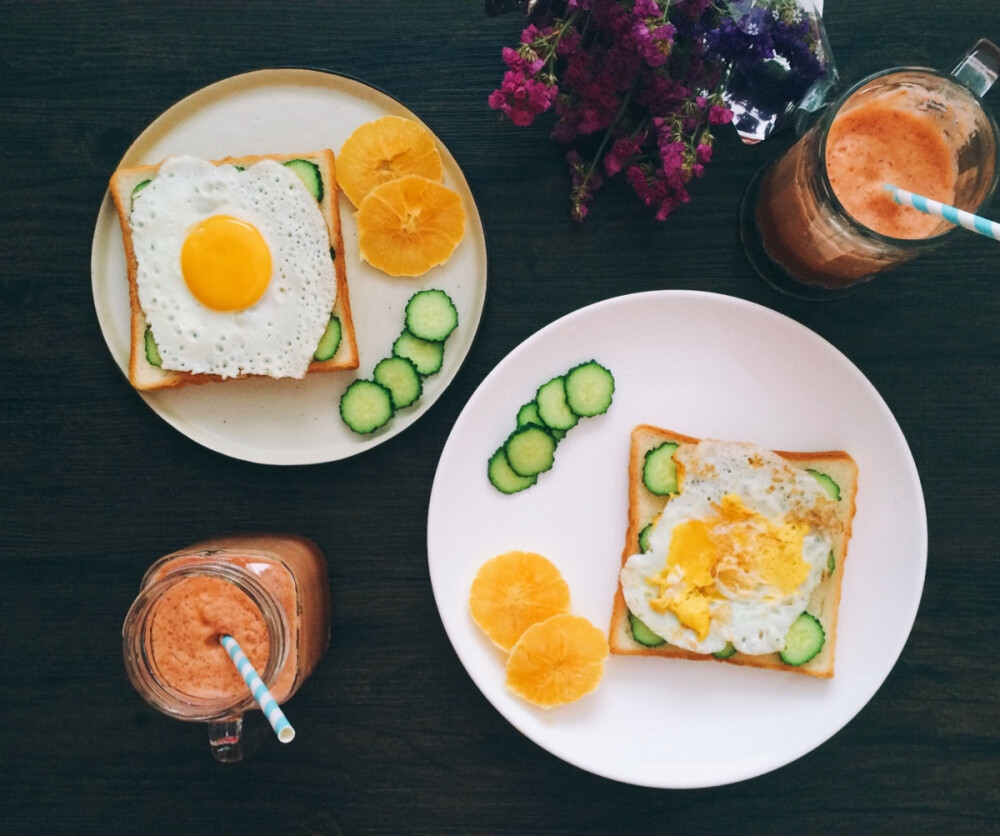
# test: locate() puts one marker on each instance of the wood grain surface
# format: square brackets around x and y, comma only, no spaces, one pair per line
[393,735]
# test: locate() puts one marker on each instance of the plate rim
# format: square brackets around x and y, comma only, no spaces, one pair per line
[106,213]
[760,766]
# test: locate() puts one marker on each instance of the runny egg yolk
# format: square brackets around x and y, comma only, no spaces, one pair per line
[736,553]
[226,263]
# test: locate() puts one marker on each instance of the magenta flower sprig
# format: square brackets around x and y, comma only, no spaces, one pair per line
[636,86]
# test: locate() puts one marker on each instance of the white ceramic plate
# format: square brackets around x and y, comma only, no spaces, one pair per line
[287,421]
[708,366]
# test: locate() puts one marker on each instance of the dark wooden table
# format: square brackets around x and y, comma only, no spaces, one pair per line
[95,486]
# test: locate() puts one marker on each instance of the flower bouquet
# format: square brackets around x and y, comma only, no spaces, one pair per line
[637,86]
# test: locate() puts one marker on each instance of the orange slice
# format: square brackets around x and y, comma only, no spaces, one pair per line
[557,661]
[409,225]
[384,150]
[514,590]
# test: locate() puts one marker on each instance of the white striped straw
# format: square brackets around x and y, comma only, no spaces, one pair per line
[275,716]
[952,214]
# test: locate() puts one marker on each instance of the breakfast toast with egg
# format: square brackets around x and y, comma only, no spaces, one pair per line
[337,349]
[837,475]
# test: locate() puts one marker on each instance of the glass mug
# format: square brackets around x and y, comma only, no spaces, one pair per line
[269,591]
[818,222]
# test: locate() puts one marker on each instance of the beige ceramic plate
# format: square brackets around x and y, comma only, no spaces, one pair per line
[284,421]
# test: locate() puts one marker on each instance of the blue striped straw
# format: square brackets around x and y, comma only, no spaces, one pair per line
[275,716]
[952,214]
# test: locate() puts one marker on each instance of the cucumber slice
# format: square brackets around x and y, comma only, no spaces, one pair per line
[528,414]
[530,450]
[644,538]
[804,640]
[431,315]
[503,478]
[726,652]
[330,340]
[642,634]
[552,406]
[427,356]
[589,389]
[826,482]
[365,406]
[400,377]
[136,189]
[659,470]
[309,174]
[152,350]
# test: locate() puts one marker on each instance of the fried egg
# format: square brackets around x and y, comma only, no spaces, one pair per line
[735,555]
[234,269]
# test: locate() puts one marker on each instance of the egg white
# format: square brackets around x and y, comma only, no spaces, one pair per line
[276,336]
[771,487]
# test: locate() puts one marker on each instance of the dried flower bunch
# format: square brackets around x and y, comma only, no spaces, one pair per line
[638,85]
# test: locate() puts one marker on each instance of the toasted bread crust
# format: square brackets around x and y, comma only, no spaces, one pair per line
[825,600]
[145,376]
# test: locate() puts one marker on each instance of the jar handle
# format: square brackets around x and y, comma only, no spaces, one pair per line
[979,67]
[226,739]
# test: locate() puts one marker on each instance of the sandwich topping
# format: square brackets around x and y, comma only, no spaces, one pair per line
[735,554]
[234,273]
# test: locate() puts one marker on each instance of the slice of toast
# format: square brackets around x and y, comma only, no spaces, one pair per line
[143,374]
[644,506]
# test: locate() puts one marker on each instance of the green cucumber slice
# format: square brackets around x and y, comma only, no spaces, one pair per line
[804,640]
[431,315]
[528,414]
[365,406]
[589,389]
[330,341]
[644,537]
[530,450]
[503,478]
[642,634]
[136,189]
[552,406]
[400,377]
[726,652]
[426,355]
[152,350]
[826,482]
[309,174]
[659,470]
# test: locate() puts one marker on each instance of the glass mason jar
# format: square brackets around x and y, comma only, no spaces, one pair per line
[798,233]
[269,591]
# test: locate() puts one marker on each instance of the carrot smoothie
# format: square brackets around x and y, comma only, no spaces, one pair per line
[891,132]
[877,143]
[184,638]
[269,592]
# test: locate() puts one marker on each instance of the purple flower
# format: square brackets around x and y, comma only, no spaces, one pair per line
[643,76]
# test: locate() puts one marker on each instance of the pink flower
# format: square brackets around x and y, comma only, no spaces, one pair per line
[719,115]
[622,150]
[522,99]
[640,74]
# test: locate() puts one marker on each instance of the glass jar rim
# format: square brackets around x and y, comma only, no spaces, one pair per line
[827,118]
[138,663]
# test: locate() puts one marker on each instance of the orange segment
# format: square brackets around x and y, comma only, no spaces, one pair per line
[384,150]
[409,225]
[557,661]
[514,590]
